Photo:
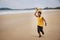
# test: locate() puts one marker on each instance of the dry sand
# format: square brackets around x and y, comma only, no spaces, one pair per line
[23,26]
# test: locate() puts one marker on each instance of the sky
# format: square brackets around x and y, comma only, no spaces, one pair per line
[21,4]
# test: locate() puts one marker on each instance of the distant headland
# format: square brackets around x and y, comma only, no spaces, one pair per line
[29,8]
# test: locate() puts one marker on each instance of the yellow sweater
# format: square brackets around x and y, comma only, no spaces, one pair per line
[40,21]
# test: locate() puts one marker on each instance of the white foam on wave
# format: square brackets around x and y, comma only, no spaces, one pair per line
[19,11]
[15,12]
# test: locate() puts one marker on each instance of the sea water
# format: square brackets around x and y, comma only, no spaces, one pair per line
[4,12]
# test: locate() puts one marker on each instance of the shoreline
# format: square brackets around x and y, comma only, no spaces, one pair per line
[19,12]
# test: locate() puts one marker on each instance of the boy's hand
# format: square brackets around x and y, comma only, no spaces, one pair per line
[45,24]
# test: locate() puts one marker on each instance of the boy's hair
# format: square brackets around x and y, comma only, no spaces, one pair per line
[39,12]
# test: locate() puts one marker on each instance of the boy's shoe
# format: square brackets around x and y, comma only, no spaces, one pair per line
[43,33]
[39,36]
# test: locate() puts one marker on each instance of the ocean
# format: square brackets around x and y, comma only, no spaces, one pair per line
[4,12]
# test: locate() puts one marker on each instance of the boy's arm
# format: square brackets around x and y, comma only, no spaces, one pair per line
[45,22]
[35,14]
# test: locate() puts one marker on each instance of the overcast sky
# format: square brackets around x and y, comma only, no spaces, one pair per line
[19,4]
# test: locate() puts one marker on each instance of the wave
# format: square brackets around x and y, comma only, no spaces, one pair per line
[4,12]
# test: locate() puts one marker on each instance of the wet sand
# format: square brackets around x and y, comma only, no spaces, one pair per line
[23,26]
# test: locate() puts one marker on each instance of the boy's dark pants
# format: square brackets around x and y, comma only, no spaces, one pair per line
[40,29]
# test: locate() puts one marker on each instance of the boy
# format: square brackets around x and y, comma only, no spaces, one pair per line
[41,21]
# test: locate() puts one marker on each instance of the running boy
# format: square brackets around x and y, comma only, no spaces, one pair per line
[41,21]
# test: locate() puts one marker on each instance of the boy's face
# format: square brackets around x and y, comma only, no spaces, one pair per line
[39,14]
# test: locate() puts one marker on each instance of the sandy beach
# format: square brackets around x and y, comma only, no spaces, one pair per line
[22,26]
